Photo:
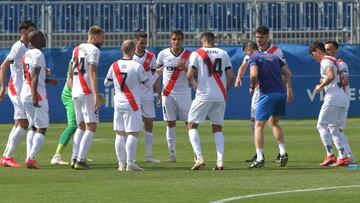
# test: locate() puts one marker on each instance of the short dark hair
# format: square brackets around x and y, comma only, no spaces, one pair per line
[140,34]
[251,45]
[208,36]
[262,30]
[177,32]
[317,45]
[334,43]
[26,24]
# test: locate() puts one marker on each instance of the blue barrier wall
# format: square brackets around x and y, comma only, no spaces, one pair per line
[304,68]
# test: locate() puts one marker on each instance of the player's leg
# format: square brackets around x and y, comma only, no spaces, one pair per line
[334,130]
[325,136]
[254,101]
[41,122]
[67,133]
[91,118]
[148,112]
[133,125]
[17,132]
[169,115]
[279,110]
[197,114]
[216,115]
[120,139]
[342,123]
[78,102]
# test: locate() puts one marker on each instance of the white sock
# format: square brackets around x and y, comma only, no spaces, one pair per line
[131,146]
[37,142]
[339,144]
[346,144]
[325,138]
[17,134]
[76,142]
[85,145]
[195,142]
[29,141]
[219,142]
[120,142]
[259,153]
[148,138]
[252,126]
[282,150]
[171,139]
[8,142]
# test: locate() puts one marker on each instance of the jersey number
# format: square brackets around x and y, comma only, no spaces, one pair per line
[217,67]
[82,65]
[124,76]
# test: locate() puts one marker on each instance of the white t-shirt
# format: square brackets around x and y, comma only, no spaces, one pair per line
[16,69]
[133,73]
[87,54]
[147,93]
[170,61]
[334,95]
[34,58]
[207,88]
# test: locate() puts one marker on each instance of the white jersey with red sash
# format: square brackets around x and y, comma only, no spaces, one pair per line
[148,60]
[335,95]
[83,55]
[127,76]
[16,68]
[211,64]
[33,58]
[174,79]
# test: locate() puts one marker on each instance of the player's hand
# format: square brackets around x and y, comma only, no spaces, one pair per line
[238,84]
[159,100]
[102,100]
[159,71]
[290,96]
[2,93]
[35,100]
[97,102]
[318,88]
[52,82]
[181,65]
[47,72]
[251,90]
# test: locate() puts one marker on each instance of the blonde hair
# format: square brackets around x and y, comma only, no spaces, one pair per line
[95,30]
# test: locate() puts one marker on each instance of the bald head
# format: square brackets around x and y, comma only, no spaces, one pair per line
[37,39]
[128,46]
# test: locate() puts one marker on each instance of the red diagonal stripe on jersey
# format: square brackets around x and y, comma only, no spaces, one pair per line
[337,67]
[207,60]
[129,95]
[11,87]
[28,78]
[149,56]
[272,49]
[83,83]
[175,74]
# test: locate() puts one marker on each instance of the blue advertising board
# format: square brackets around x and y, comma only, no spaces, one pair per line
[305,76]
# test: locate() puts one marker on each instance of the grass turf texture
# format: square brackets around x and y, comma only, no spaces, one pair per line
[175,182]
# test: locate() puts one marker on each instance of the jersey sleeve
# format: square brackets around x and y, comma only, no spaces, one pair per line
[343,67]
[94,57]
[159,60]
[280,55]
[246,58]
[13,53]
[252,61]
[325,64]
[109,77]
[194,60]
[153,64]
[142,76]
[37,60]
[227,61]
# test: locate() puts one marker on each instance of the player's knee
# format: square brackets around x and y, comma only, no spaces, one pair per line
[23,123]
[171,124]
[321,127]
[192,126]
[33,128]
[216,128]
[333,130]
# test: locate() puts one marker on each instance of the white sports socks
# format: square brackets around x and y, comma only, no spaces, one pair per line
[171,139]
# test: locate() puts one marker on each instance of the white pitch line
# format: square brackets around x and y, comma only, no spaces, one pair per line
[282,192]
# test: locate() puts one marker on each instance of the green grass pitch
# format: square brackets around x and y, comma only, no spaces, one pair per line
[175,182]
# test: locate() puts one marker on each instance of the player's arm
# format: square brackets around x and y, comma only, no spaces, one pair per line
[241,73]
[253,77]
[285,71]
[344,74]
[330,76]
[108,81]
[94,84]
[34,84]
[3,68]
[229,77]
[191,74]
[150,81]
